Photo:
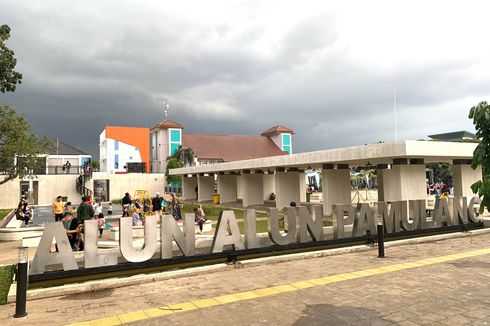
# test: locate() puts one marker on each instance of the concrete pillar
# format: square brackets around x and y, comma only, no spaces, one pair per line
[302,186]
[239,194]
[269,185]
[405,180]
[336,186]
[205,186]
[253,189]
[189,187]
[464,176]
[380,171]
[227,188]
[287,188]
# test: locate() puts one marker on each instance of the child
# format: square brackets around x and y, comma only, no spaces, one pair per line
[135,216]
[101,223]
[109,210]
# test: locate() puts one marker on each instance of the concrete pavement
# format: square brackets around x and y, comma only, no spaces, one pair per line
[349,289]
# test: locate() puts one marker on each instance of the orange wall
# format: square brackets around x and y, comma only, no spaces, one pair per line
[138,137]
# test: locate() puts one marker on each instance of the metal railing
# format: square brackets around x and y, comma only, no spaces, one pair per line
[63,169]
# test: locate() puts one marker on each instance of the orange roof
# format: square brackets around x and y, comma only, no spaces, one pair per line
[230,147]
[277,130]
[167,123]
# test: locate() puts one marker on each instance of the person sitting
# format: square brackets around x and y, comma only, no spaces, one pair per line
[20,215]
[133,211]
[199,217]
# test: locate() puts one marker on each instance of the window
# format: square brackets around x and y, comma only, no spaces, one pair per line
[175,135]
[116,145]
[286,143]
[173,148]
[175,140]
[116,161]
[136,149]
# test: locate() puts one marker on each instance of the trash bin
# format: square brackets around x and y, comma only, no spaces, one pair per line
[308,196]
[216,199]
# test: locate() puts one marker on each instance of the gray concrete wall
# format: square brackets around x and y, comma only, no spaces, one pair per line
[189,187]
[227,188]
[269,185]
[252,189]
[463,177]
[287,188]
[205,186]
[336,188]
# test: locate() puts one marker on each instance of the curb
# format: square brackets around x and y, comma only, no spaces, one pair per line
[112,283]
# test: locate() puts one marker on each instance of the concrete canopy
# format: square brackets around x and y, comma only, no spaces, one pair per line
[384,153]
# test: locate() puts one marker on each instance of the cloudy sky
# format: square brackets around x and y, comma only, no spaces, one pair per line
[326,69]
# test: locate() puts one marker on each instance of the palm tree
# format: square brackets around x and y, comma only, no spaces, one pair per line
[184,155]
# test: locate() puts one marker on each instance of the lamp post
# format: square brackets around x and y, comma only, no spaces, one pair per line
[381,237]
[21,277]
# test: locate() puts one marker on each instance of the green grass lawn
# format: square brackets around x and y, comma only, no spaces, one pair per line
[6,276]
[4,212]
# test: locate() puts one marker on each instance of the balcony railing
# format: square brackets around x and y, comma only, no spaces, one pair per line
[63,169]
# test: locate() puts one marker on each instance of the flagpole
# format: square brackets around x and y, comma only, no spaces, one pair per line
[396,114]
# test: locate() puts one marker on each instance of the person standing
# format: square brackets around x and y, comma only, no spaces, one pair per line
[58,209]
[126,202]
[85,211]
[100,223]
[156,205]
[175,207]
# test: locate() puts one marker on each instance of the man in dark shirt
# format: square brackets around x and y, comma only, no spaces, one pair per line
[73,227]
[156,205]
[126,202]
[85,211]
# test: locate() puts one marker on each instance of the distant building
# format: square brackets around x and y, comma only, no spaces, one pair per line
[63,155]
[167,136]
[454,136]
[121,147]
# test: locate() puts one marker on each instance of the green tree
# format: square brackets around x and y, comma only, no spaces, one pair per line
[185,155]
[173,163]
[481,156]
[9,78]
[95,165]
[19,148]
[442,171]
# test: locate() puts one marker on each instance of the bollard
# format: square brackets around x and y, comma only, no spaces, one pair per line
[381,241]
[21,277]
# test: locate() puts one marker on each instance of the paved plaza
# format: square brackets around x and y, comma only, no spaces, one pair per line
[436,283]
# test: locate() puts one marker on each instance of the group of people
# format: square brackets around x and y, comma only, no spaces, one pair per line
[73,218]
[155,206]
[24,212]
[441,188]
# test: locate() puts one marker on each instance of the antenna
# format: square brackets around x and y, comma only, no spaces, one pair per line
[166,107]
[396,114]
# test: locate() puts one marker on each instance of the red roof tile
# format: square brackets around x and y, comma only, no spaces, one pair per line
[277,130]
[167,123]
[230,147]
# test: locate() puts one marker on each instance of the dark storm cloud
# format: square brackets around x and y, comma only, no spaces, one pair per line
[236,68]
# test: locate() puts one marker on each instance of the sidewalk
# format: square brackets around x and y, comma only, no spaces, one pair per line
[454,291]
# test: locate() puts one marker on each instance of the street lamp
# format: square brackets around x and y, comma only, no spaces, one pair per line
[381,236]
[21,278]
